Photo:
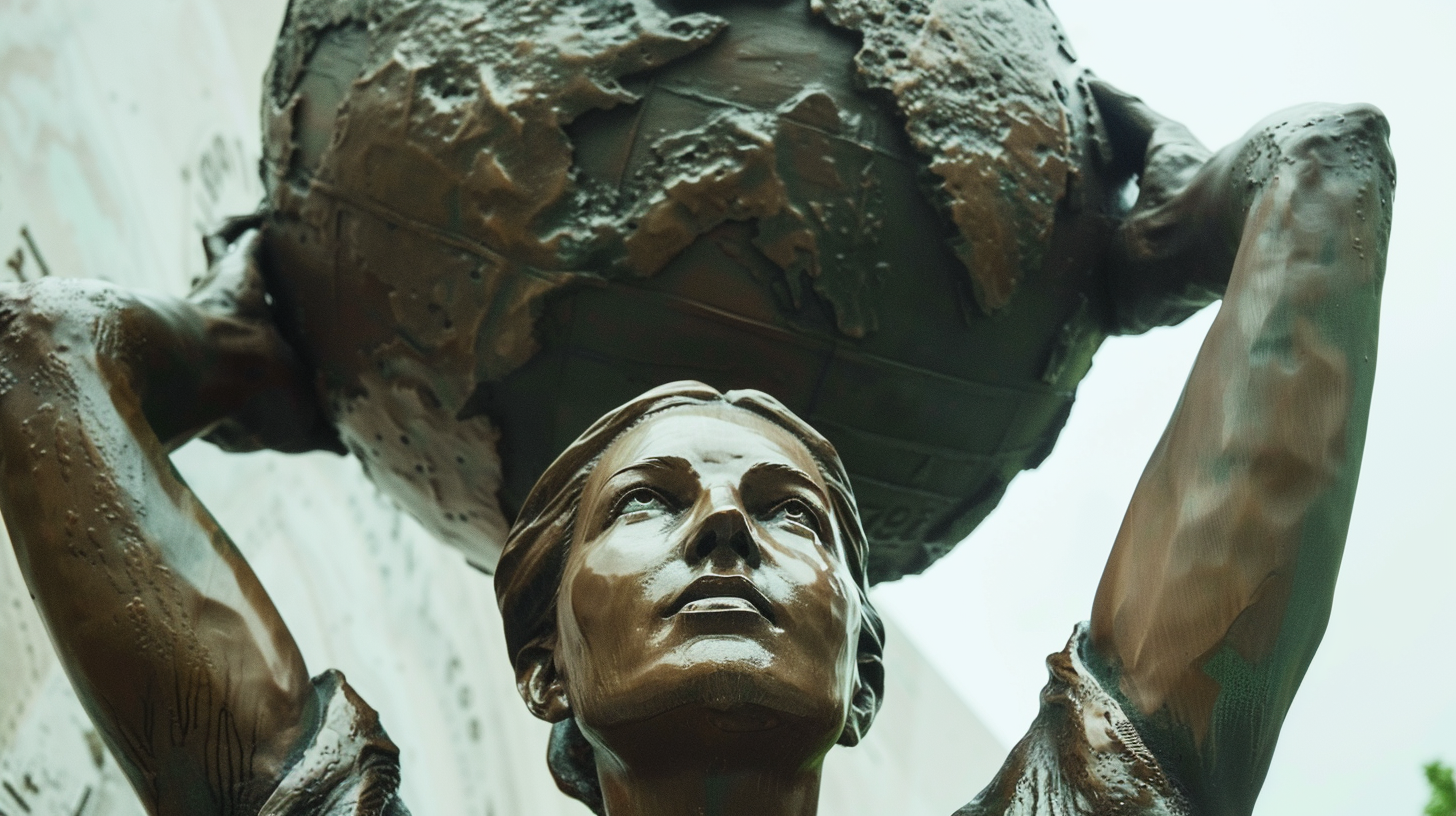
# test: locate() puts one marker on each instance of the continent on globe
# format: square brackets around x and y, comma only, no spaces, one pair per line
[488,223]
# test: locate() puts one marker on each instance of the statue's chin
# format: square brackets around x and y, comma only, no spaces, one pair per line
[739,721]
[731,697]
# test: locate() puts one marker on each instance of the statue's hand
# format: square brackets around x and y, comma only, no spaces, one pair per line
[285,414]
[234,282]
[1170,154]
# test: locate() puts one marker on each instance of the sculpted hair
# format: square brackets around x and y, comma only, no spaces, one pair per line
[531,567]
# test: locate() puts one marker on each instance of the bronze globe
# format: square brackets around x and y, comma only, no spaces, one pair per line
[489,223]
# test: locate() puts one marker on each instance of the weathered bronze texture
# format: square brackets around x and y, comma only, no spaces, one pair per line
[488,224]
[494,222]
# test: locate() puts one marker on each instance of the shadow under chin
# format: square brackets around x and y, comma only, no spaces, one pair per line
[744,720]
[736,699]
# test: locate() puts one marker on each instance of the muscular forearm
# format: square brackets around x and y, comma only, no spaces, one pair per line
[172,644]
[1219,584]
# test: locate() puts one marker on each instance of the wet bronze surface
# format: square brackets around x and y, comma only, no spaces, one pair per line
[686,591]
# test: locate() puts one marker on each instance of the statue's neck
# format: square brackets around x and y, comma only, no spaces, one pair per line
[736,793]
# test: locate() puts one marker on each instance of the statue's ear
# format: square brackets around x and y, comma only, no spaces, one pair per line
[869,689]
[540,684]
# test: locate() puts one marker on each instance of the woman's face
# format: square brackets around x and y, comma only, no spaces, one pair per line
[707,580]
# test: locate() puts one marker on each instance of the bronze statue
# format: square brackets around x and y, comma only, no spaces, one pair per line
[449,256]
[684,588]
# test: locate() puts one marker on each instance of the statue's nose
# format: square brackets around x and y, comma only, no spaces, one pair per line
[724,537]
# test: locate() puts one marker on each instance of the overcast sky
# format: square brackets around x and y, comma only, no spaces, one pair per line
[1378,700]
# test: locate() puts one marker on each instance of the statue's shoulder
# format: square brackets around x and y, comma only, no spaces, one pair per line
[1082,755]
[349,768]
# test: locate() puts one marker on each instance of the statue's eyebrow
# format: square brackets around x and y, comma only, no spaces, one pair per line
[675,465]
[794,474]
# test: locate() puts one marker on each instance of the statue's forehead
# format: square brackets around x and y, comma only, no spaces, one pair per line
[719,441]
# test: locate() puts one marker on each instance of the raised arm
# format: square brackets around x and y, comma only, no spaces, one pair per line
[170,641]
[1219,585]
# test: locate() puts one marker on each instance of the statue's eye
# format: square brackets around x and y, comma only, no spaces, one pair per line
[640,499]
[796,511]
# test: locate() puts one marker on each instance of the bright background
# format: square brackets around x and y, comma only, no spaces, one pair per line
[1380,697]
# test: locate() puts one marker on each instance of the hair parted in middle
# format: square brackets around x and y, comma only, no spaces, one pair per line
[532,565]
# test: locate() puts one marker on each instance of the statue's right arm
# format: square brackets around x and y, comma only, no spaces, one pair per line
[173,646]
[1222,577]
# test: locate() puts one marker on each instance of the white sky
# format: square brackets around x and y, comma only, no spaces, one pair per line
[1378,700]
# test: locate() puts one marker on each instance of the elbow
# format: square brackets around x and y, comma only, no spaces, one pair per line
[55,336]
[55,318]
[1336,164]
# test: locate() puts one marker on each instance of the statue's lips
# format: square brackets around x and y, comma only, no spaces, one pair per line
[721,594]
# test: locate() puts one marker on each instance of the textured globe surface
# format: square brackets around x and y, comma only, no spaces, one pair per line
[491,222]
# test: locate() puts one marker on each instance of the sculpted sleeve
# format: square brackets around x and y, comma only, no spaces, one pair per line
[1081,757]
[351,768]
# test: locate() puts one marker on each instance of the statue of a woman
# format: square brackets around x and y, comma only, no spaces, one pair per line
[683,589]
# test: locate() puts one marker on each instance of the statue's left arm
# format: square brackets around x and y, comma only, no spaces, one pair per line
[173,646]
[1220,582]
